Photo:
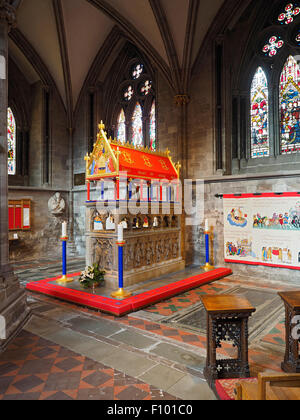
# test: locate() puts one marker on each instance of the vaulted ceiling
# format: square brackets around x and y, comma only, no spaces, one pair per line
[57,41]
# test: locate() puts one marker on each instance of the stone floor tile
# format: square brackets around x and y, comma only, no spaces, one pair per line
[162,376]
[134,339]
[192,388]
[128,362]
[67,338]
[59,396]
[100,326]
[96,394]
[62,381]
[131,393]
[29,396]
[95,350]
[28,383]
[179,355]
[41,326]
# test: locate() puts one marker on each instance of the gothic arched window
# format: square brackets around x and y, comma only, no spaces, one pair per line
[135,113]
[121,131]
[152,127]
[11,142]
[289,98]
[259,115]
[266,93]
[137,126]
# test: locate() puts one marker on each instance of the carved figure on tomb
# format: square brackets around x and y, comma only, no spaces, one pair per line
[167,249]
[175,249]
[139,253]
[103,255]
[159,251]
[149,254]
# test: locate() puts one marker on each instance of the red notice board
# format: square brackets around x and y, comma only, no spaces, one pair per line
[19,214]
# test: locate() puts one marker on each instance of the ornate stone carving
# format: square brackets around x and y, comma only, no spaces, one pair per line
[181,100]
[150,241]
[175,248]
[8,12]
[139,254]
[149,254]
[104,254]
[56,204]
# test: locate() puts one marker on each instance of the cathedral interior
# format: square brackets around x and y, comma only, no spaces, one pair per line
[199,93]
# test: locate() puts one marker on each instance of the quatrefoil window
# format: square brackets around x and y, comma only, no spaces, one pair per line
[289,15]
[273,46]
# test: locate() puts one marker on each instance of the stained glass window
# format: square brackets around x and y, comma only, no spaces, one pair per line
[128,94]
[289,103]
[152,128]
[121,132]
[289,14]
[11,140]
[275,43]
[137,126]
[137,71]
[259,115]
[146,87]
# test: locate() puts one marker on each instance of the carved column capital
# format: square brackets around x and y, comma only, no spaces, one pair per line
[8,13]
[181,100]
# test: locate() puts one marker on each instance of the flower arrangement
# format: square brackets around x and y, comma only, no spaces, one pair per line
[91,277]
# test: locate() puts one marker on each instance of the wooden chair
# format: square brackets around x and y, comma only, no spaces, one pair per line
[271,386]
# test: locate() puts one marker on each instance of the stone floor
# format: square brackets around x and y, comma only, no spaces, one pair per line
[68,352]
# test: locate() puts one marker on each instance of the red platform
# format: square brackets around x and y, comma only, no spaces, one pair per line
[132,304]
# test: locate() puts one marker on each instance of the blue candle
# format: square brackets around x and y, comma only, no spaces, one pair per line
[207,247]
[64,257]
[121,269]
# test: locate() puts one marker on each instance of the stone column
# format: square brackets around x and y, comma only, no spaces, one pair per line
[72,250]
[182,101]
[13,308]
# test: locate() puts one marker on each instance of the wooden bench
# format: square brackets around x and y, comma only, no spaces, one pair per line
[270,387]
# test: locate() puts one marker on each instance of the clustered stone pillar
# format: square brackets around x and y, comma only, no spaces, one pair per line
[182,101]
[13,309]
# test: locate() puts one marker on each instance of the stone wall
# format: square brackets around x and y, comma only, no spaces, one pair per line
[200,131]
[168,119]
[60,167]
[80,142]
[43,239]
[36,136]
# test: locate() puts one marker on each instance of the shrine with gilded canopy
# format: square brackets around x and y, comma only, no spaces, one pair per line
[139,189]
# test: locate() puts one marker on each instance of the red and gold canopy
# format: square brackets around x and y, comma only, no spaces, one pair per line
[110,158]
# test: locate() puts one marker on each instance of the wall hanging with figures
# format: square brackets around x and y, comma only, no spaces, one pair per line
[262,229]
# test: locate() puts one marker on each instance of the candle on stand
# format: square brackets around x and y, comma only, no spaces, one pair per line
[120,233]
[121,293]
[206,226]
[64,239]
[207,267]
[64,230]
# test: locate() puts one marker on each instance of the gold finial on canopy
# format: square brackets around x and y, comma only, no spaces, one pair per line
[178,167]
[101,126]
